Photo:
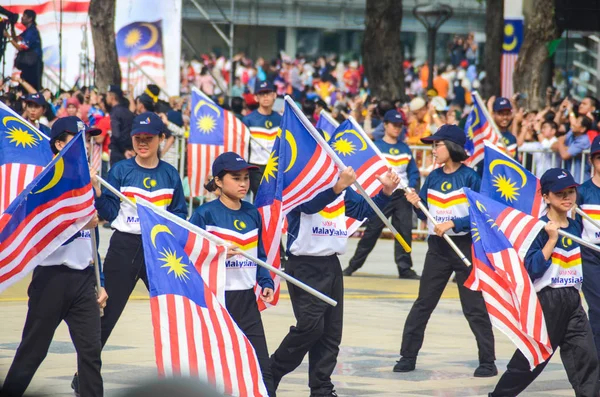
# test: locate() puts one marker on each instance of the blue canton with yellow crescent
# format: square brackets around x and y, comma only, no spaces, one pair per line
[207,122]
[138,38]
[170,270]
[350,146]
[475,124]
[507,181]
[513,36]
[19,142]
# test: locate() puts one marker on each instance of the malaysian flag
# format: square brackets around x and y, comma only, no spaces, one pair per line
[477,130]
[24,152]
[55,206]
[327,124]
[194,335]
[356,150]
[499,274]
[508,182]
[513,38]
[298,169]
[213,130]
[142,43]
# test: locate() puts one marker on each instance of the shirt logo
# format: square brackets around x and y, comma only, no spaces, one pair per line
[149,183]
[394,151]
[239,225]
[268,124]
[446,186]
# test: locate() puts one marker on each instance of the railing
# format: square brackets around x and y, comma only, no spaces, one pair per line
[137,80]
[50,81]
[531,159]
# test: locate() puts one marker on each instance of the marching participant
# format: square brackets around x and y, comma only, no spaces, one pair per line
[443,194]
[313,246]
[589,201]
[144,175]
[263,124]
[239,222]
[554,265]
[399,157]
[62,288]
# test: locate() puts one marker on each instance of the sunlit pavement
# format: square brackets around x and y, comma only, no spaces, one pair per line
[376,305]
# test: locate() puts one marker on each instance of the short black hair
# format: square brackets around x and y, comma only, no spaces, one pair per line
[587,123]
[60,138]
[551,123]
[31,14]
[594,100]
[457,153]
[237,104]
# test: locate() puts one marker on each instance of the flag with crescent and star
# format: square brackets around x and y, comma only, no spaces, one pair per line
[327,124]
[507,181]
[24,152]
[194,334]
[213,130]
[141,42]
[499,273]
[357,150]
[477,130]
[51,209]
[511,45]
[298,169]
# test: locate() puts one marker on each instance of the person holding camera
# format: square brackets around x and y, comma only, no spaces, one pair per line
[29,45]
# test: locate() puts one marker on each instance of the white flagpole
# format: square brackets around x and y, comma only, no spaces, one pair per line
[315,134]
[93,235]
[217,240]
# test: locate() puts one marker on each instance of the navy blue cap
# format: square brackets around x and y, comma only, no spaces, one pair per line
[447,132]
[556,179]
[230,161]
[501,104]
[393,116]
[147,123]
[116,89]
[71,124]
[175,117]
[36,98]
[595,146]
[263,86]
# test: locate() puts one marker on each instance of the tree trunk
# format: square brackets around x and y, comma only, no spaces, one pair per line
[102,21]
[494,36]
[533,72]
[382,48]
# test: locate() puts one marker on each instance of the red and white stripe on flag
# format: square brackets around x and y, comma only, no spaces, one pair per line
[273,221]
[97,157]
[205,343]
[205,257]
[507,68]
[13,180]
[200,156]
[153,66]
[39,233]
[367,175]
[512,303]
[74,12]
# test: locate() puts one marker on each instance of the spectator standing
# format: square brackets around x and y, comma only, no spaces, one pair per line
[121,121]
[571,146]
[29,44]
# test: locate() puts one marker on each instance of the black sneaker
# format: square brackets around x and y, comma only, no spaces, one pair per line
[348,271]
[75,384]
[486,370]
[331,393]
[405,364]
[409,274]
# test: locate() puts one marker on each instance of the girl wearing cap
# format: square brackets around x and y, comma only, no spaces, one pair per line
[588,199]
[146,176]
[62,288]
[444,196]
[239,222]
[315,239]
[554,266]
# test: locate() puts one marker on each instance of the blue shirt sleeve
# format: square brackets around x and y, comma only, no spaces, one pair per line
[413,173]
[318,203]
[535,262]
[578,145]
[197,219]
[178,206]
[358,208]
[108,204]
